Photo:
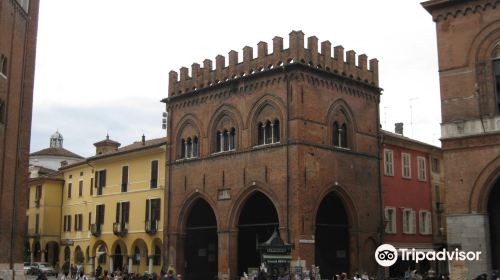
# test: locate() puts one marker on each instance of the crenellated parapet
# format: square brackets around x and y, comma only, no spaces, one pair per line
[341,63]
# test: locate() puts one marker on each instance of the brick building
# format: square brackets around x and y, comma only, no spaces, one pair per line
[286,140]
[468,41]
[18,28]
[409,170]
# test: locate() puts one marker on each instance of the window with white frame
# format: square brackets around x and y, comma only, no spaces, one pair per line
[409,221]
[422,173]
[388,162]
[406,165]
[425,222]
[390,219]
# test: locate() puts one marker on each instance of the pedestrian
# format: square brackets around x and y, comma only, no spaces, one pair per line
[82,276]
[170,275]
[41,276]
[64,276]
[98,271]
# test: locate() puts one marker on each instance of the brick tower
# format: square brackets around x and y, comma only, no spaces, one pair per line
[18,28]
[283,141]
[468,38]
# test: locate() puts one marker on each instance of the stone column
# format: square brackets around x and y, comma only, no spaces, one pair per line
[92,265]
[223,254]
[110,264]
[32,256]
[130,263]
[150,264]
[42,255]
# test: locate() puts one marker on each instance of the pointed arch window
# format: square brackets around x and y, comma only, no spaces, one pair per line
[268,132]
[189,147]
[232,139]
[496,70]
[276,131]
[340,135]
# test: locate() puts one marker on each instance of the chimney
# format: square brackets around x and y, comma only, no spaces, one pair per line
[398,128]
[143,140]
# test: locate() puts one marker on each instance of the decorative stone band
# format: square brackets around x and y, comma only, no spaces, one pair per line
[470,127]
[340,63]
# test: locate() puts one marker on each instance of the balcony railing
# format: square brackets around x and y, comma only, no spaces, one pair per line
[152,227]
[120,229]
[95,229]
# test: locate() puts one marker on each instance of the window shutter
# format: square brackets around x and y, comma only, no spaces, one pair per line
[118,212]
[97,181]
[103,177]
[65,223]
[91,186]
[69,222]
[413,221]
[147,209]
[421,226]
[154,174]
[157,209]
[90,219]
[387,218]
[126,208]
[429,222]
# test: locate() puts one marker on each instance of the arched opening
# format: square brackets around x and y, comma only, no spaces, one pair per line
[257,222]
[118,258]
[67,256]
[101,254]
[201,244]
[140,256]
[27,252]
[37,252]
[494,215]
[332,237]
[79,258]
[52,253]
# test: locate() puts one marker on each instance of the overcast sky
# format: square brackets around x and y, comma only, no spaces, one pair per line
[102,66]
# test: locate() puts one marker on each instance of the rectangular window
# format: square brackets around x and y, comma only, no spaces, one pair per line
[496,70]
[122,212]
[99,216]
[90,219]
[390,219]
[91,186]
[409,221]
[154,174]
[435,165]
[406,165]
[124,178]
[425,222]
[80,188]
[37,223]
[388,162]
[153,211]
[422,172]
[69,189]
[38,192]
[100,180]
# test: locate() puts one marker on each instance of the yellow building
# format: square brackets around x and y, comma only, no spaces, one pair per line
[43,216]
[111,207]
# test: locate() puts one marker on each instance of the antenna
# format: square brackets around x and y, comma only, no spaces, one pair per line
[411,114]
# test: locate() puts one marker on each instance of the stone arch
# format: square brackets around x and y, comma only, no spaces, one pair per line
[348,203]
[340,112]
[483,185]
[483,43]
[78,256]
[245,194]
[188,203]
[122,245]
[139,242]
[157,243]
[188,126]
[100,248]
[270,107]
[225,113]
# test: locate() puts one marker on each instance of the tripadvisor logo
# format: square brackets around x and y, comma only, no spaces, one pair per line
[387,255]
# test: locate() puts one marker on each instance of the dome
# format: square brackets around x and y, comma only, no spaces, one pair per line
[56,140]
[56,135]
